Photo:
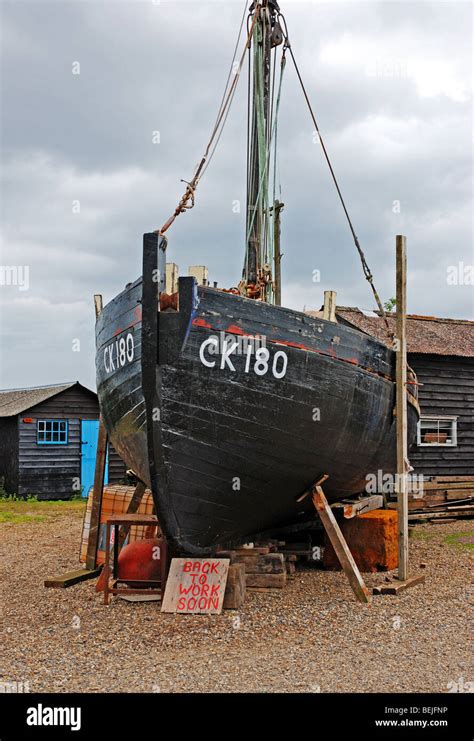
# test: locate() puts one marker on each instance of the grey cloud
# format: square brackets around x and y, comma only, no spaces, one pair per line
[391,135]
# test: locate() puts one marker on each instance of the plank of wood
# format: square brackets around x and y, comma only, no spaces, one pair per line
[321,480]
[398,586]
[269,563]
[267,581]
[447,485]
[449,503]
[71,577]
[98,304]
[236,573]
[329,308]
[358,507]
[91,555]
[401,406]
[272,563]
[235,590]
[234,597]
[453,499]
[449,479]
[340,546]
[140,597]
[249,561]
[467,511]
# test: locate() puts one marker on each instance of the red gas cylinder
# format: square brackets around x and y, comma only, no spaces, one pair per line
[140,560]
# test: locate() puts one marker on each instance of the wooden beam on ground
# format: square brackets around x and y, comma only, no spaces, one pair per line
[398,586]
[340,546]
[71,577]
[91,556]
[401,408]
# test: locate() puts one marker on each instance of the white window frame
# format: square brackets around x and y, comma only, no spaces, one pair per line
[438,418]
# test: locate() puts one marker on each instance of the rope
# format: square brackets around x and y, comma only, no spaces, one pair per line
[188,199]
[365,267]
[231,64]
[277,109]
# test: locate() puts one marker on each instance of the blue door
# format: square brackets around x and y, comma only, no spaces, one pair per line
[89,435]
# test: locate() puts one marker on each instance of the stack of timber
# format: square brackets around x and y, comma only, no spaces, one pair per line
[442,497]
[263,569]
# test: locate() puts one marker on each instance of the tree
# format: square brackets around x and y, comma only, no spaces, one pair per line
[390,305]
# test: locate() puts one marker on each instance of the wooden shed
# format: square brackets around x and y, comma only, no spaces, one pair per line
[441,352]
[48,441]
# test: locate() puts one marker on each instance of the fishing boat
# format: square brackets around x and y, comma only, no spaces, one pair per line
[227,404]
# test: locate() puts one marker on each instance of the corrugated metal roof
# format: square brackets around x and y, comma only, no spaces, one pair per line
[15,401]
[428,335]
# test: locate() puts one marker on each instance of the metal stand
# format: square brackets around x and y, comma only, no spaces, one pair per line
[147,586]
[123,532]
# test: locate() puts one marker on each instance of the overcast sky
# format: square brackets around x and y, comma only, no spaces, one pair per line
[391,85]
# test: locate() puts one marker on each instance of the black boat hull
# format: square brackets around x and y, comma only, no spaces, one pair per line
[239,436]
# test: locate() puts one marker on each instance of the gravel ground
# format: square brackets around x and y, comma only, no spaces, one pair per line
[310,637]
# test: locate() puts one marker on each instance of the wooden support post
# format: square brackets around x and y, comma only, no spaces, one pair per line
[101,455]
[340,546]
[277,207]
[321,480]
[91,557]
[329,309]
[401,409]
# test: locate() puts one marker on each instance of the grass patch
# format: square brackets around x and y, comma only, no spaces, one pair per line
[18,511]
[16,518]
[455,540]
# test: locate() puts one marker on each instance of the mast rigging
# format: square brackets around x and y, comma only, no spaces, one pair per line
[267,30]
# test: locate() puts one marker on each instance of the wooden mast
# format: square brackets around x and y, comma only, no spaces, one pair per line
[266,35]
